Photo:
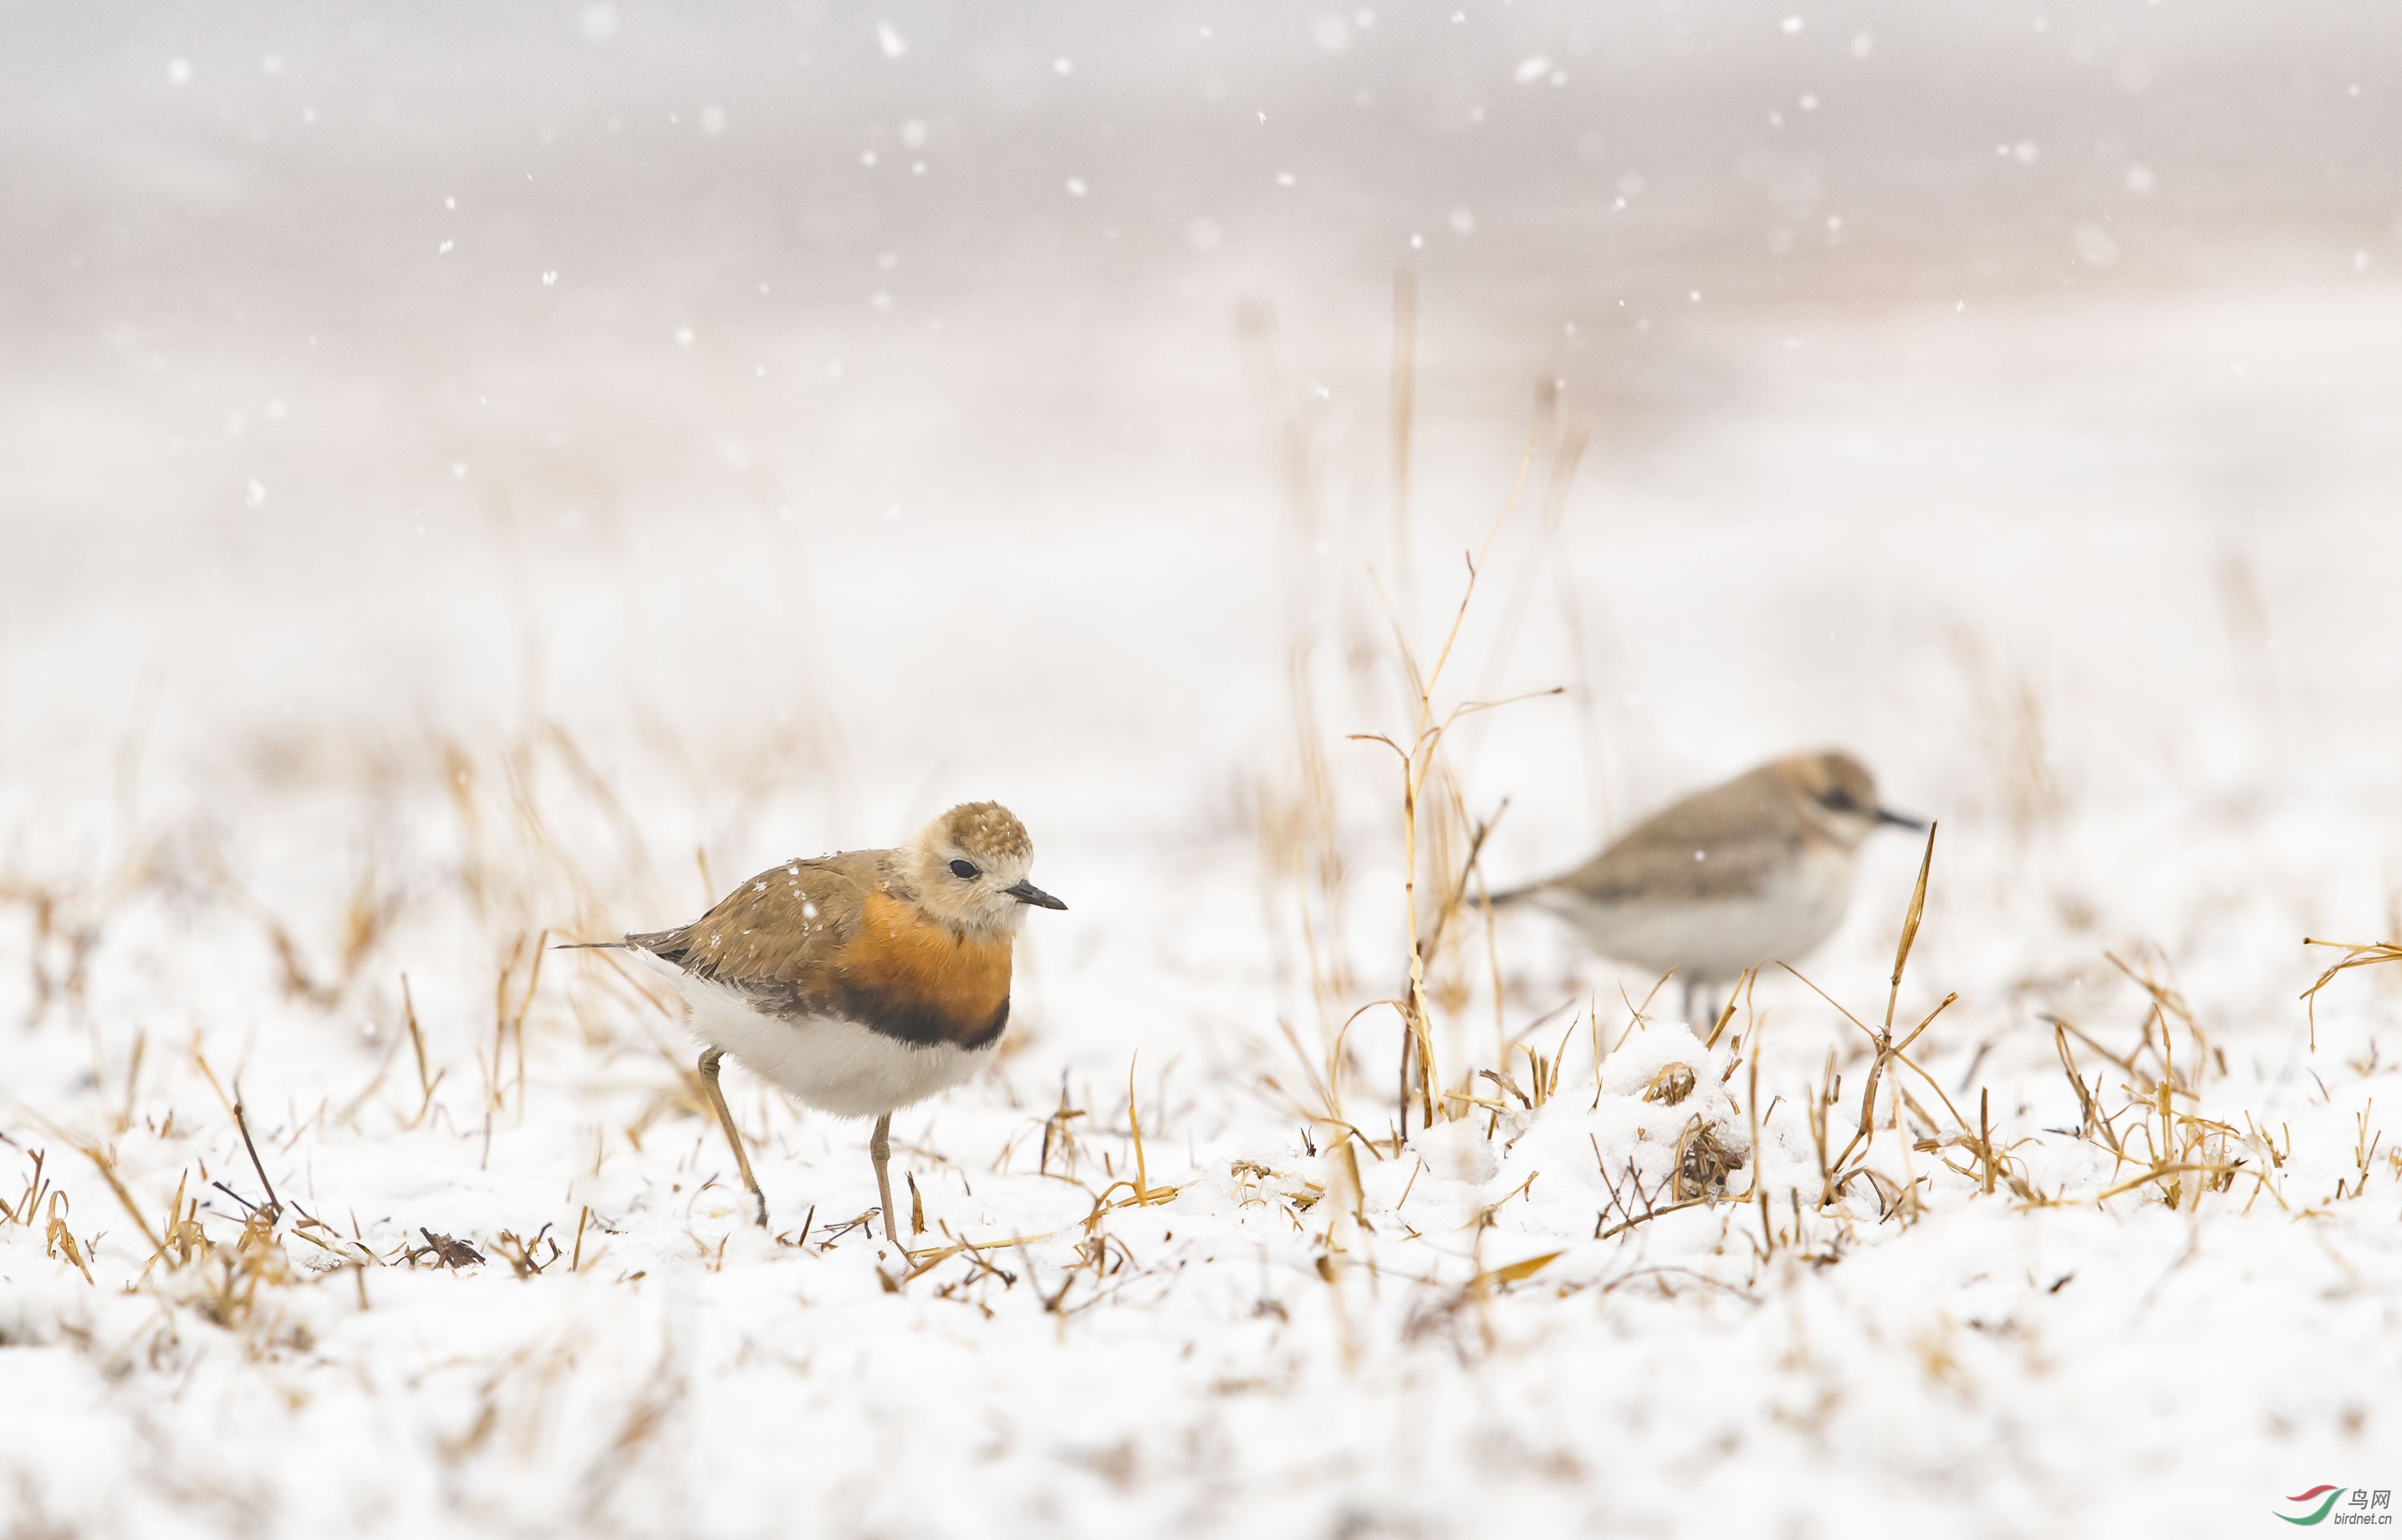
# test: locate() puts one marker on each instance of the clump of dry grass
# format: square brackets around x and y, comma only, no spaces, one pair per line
[1299,826]
[2181,1154]
[223,1281]
[1703,1162]
[2184,1152]
[43,1202]
[1889,1057]
[1672,1084]
[2355,954]
[1433,827]
[57,956]
[442,1251]
[232,1273]
[524,1256]
[29,1201]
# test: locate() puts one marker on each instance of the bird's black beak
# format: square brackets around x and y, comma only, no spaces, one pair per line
[1026,892]
[1886,814]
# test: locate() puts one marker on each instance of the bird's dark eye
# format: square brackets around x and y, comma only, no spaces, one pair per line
[1838,798]
[964,871]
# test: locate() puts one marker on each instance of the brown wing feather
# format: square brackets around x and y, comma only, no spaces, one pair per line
[842,936]
[1737,826]
[780,931]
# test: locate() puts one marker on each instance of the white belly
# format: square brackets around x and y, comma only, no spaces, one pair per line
[1713,940]
[831,1064]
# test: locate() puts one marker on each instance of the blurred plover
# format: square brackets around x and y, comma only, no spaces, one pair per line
[1755,870]
[862,981]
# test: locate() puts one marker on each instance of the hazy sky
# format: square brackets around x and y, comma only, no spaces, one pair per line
[286,289]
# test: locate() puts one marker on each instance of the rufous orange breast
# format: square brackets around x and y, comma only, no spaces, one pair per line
[921,982]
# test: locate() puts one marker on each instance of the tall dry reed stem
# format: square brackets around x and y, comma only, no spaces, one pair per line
[1420,762]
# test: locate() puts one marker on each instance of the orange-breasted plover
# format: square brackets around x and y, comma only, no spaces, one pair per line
[1755,870]
[862,981]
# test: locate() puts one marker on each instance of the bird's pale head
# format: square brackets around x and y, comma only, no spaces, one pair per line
[1836,793]
[970,867]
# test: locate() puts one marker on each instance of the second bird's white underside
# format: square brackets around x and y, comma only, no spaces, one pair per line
[823,1062]
[1712,941]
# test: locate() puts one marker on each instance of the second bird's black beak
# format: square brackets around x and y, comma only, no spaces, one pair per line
[1026,892]
[1886,814]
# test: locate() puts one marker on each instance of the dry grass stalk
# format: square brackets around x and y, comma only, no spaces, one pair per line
[2169,1004]
[105,1161]
[1909,927]
[1649,1213]
[1419,762]
[29,1203]
[132,1079]
[445,1250]
[1297,825]
[1991,1163]
[1143,1190]
[2174,1145]
[508,1022]
[2089,1102]
[1452,898]
[58,1239]
[1819,1111]
[1740,994]
[52,984]
[520,1253]
[1140,1192]
[1057,1135]
[272,1209]
[1302,849]
[1984,1150]
[1889,1057]
[514,867]
[2364,1150]
[1475,1295]
[367,917]
[1543,1073]
[2355,954]
[1308,838]
[229,1295]
[425,1083]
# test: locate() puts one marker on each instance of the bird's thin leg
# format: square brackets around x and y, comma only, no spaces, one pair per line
[1688,1002]
[879,1149]
[709,1057]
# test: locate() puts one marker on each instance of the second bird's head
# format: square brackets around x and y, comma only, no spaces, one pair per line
[970,868]
[1836,792]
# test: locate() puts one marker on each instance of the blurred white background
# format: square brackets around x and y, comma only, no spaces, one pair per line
[869,389]
[473,474]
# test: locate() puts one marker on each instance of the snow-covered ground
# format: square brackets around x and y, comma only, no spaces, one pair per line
[376,611]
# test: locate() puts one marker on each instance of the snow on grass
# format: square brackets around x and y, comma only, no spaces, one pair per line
[2113,1246]
[1277,1328]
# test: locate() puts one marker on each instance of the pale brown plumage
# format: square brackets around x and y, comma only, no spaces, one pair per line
[1745,828]
[1752,869]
